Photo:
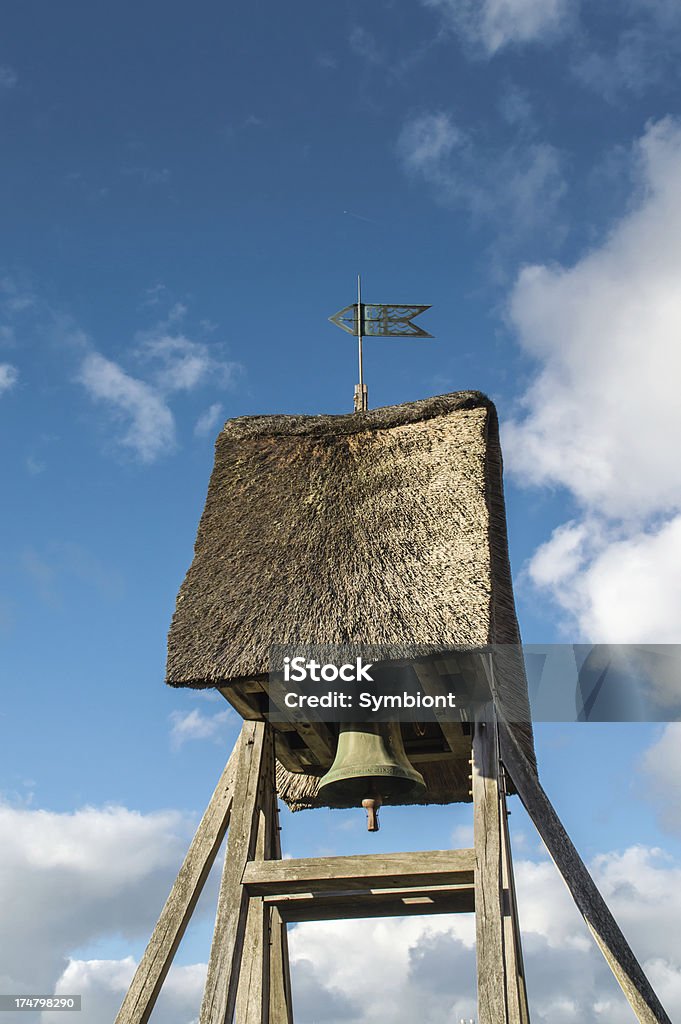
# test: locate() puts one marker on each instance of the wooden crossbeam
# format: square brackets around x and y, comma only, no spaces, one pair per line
[317,735]
[359,903]
[372,871]
[433,685]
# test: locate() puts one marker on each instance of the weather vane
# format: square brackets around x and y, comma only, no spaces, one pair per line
[376,321]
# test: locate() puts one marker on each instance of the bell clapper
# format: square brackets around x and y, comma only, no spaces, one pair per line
[371,805]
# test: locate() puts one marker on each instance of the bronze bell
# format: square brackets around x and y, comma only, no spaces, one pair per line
[370,768]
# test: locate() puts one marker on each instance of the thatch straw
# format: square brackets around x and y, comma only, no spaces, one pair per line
[386,527]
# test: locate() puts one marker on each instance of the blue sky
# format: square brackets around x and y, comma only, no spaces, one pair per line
[189,195]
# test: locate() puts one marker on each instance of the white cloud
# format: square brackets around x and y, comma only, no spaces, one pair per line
[68,879]
[183,364]
[35,466]
[208,420]
[602,416]
[494,24]
[195,725]
[101,873]
[180,363]
[9,375]
[363,44]
[561,557]
[424,968]
[169,364]
[661,766]
[606,332]
[8,77]
[516,108]
[15,296]
[427,141]
[151,430]
[520,185]
[619,587]
[640,49]
[103,984]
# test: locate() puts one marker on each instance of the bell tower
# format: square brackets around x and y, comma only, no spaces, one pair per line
[384,529]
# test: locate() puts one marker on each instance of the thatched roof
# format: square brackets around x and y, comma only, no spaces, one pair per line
[384,527]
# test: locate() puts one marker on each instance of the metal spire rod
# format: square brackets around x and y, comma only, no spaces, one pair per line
[361,391]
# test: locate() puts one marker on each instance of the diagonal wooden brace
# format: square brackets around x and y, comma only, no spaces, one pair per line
[158,956]
[590,903]
[219,997]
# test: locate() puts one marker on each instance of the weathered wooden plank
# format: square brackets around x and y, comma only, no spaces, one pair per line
[294,760]
[516,990]
[591,904]
[281,1000]
[433,684]
[219,995]
[253,999]
[431,756]
[158,956]
[371,871]
[317,735]
[281,1004]
[241,703]
[489,901]
[358,903]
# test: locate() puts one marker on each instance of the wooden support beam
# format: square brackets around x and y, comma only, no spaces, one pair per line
[281,1003]
[246,708]
[357,903]
[253,993]
[591,904]
[516,990]
[317,735]
[493,1006]
[158,956]
[433,684]
[281,998]
[219,995]
[371,871]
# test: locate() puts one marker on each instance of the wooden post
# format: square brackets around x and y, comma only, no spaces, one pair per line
[591,904]
[253,999]
[281,999]
[516,990]
[219,996]
[493,1006]
[158,956]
